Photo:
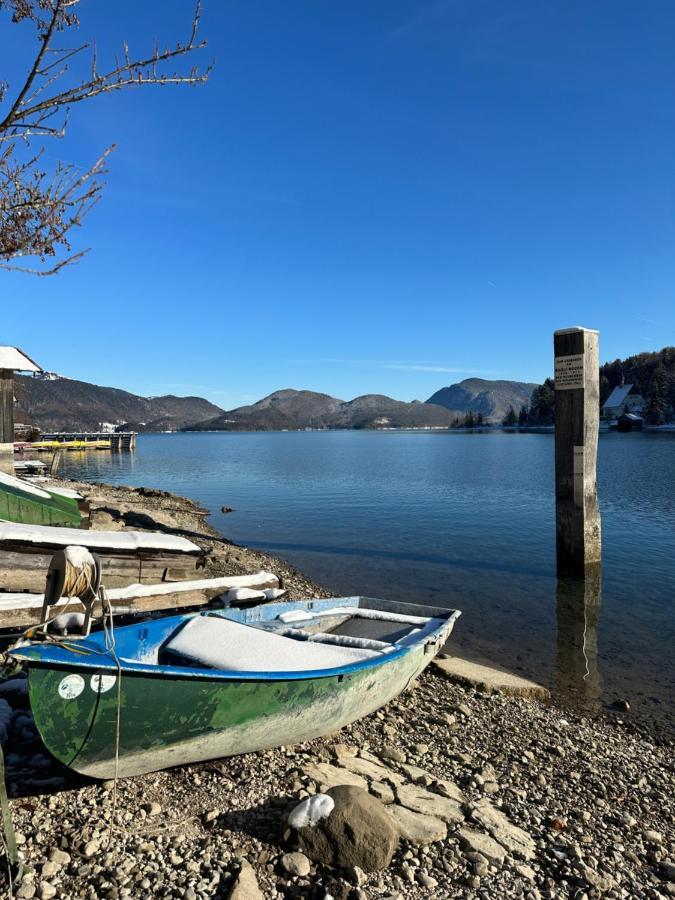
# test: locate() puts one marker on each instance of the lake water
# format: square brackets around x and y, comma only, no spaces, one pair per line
[453,519]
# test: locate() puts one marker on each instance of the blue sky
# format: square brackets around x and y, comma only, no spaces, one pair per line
[367,197]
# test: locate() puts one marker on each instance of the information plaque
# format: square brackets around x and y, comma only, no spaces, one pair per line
[569,372]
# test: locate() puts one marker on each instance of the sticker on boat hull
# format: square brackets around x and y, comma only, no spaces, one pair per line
[102,683]
[71,687]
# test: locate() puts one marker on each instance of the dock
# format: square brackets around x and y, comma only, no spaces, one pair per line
[122,441]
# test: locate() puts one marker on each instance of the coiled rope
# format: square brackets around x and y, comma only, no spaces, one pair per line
[73,573]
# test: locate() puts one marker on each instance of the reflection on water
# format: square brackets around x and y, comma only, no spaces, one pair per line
[577,673]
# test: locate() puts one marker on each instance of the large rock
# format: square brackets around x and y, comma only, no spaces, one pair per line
[487,679]
[358,831]
[245,885]
[517,842]
[422,801]
[416,827]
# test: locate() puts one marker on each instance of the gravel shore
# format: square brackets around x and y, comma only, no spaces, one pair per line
[498,796]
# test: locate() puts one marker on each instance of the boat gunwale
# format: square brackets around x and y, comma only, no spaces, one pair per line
[97,661]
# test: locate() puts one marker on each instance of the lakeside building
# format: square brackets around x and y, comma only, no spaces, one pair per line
[622,401]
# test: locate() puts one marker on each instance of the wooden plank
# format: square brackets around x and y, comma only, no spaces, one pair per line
[6,406]
[23,610]
[577,419]
[21,571]
[43,539]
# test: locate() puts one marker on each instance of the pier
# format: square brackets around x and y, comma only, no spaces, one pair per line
[86,440]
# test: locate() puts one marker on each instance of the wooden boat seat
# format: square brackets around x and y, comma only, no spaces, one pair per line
[216,643]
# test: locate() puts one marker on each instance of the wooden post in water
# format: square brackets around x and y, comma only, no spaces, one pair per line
[577,419]
[7,421]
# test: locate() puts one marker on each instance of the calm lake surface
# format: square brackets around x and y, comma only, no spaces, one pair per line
[464,520]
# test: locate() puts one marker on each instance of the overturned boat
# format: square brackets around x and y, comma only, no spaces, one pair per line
[194,687]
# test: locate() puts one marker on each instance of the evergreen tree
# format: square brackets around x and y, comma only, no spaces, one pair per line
[510,419]
[542,404]
[523,416]
[658,402]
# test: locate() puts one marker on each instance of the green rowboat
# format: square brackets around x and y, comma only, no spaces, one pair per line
[219,683]
[31,505]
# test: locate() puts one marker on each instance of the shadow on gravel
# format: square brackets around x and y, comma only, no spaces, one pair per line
[30,769]
[262,821]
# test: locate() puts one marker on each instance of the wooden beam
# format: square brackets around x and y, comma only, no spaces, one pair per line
[6,406]
[22,571]
[577,417]
[7,421]
[21,610]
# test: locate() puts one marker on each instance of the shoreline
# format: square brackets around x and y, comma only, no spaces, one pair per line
[591,793]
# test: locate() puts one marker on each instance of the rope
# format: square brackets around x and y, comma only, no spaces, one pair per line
[14,865]
[110,647]
[80,580]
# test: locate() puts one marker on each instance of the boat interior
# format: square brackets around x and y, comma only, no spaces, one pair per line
[265,640]
[294,640]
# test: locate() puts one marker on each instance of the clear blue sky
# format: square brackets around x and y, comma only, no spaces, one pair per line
[383,196]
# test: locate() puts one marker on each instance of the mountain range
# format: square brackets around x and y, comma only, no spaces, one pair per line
[62,404]
[293,410]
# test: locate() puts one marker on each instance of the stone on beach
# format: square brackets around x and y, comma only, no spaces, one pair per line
[487,679]
[475,841]
[514,839]
[383,792]
[370,770]
[417,827]
[392,754]
[422,801]
[296,864]
[328,776]
[245,886]
[358,832]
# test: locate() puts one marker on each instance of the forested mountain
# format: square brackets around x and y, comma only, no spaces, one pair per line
[62,404]
[294,410]
[652,374]
[490,399]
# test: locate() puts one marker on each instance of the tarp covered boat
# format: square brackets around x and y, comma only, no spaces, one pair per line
[219,683]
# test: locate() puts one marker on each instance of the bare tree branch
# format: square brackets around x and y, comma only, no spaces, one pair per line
[41,204]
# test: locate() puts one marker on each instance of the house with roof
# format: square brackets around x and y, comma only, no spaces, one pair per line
[623,400]
[11,360]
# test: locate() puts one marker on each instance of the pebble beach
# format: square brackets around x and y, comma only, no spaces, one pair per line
[477,794]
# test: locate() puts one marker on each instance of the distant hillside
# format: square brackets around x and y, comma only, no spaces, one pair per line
[66,405]
[490,398]
[293,410]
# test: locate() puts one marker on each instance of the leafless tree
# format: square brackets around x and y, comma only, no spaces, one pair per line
[40,202]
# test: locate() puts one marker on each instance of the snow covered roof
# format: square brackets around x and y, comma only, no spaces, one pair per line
[618,396]
[13,358]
